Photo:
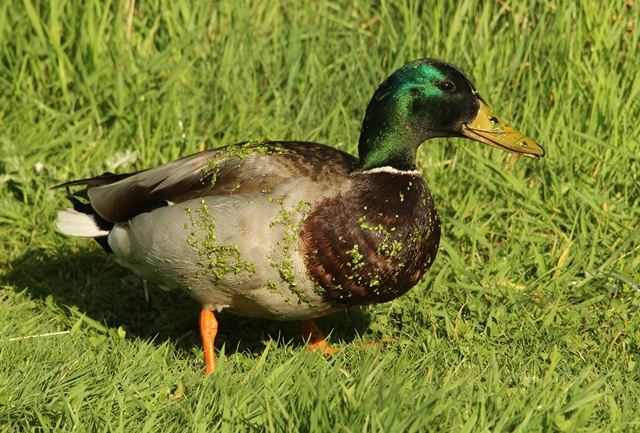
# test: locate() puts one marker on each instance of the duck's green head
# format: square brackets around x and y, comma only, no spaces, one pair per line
[429,98]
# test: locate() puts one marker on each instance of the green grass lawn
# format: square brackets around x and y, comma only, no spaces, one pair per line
[529,319]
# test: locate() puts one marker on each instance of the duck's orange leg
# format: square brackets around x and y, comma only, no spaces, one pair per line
[311,333]
[208,331]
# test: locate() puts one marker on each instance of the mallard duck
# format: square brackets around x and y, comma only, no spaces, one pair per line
[294,230]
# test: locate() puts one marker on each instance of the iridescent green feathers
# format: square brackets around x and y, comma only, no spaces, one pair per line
[421,100]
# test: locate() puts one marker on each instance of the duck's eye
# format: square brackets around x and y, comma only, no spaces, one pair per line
[446,86]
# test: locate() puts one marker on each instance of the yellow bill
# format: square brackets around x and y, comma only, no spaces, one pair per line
[489,129]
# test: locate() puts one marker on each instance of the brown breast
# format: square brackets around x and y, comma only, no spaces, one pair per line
[373,243]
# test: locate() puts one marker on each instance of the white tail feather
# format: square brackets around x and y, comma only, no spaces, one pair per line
[79,224]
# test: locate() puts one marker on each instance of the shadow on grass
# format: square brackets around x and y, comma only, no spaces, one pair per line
[91,281]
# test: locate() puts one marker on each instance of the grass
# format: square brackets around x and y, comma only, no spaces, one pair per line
[528,320]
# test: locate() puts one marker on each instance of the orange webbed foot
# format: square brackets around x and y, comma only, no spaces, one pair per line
[312,334]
